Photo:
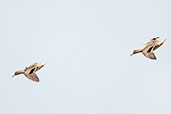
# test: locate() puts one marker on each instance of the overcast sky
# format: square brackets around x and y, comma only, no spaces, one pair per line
[87,45]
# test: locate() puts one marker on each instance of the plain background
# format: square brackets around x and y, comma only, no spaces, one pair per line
[87,44]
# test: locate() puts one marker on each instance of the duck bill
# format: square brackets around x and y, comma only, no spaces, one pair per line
[13,76]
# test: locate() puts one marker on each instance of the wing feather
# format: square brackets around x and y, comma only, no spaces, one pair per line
[152,42]
[32,77]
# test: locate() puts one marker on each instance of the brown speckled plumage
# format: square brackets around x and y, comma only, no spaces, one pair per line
[150,47]
[30,71]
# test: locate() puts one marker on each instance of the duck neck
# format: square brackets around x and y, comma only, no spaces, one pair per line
[138,51]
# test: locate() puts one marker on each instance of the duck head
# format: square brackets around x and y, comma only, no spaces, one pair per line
[136,51]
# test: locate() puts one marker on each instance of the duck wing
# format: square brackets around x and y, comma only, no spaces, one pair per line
[31,66]
[152,42]
[159,44]
[150,55]
[32,77]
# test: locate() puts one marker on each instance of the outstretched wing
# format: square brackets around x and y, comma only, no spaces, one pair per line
[31,66]
[32,76]
[151,55]
[152,42]
[159,44]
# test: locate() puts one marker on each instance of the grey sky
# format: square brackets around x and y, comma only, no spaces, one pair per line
[87,45]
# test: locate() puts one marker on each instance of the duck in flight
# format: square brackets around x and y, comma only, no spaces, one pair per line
[150,47]
[30,71]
